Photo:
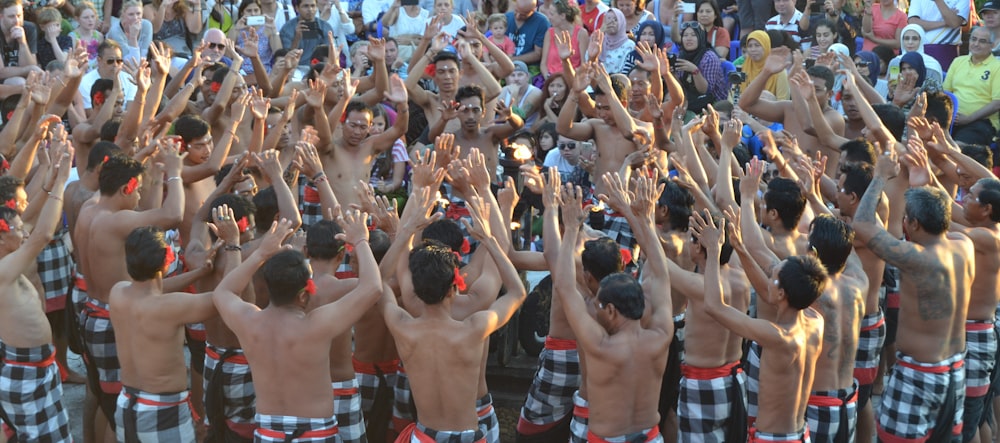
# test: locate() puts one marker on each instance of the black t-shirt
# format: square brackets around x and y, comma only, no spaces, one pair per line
[10,50]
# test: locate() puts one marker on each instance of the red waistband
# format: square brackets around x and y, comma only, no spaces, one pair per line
[412,430]
[364,367]
[931,369]
[80,283]
[878,324]
[697,373]
[559,344]
[650,435]
[317,433]
[977,325]
[97,311]
[344,392]
[33,364]
[826,401]
[239,359]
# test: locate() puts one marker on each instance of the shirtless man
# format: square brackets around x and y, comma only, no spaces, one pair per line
[29,357]
[349,158]
[289,348]
[924,394]
[101,229]
[793,340]
[440,352]
[151,337]
[613,132]
[470,109]
[622,408]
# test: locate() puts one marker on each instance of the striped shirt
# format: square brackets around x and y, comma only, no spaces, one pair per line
[792,26]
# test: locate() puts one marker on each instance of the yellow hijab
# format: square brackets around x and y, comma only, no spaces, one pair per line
[753,69]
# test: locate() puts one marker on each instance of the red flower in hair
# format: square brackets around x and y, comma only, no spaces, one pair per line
[99,99]
[459,281]
[242,223]
[430,70]
[626,257]
[105,160]
[4,166]
[4,227]
[131,186]
[215,87]
[314,61]
[465,246]
[310,287]
[349,247]
[11,204]
[10,114]
[343,117]
[168,259]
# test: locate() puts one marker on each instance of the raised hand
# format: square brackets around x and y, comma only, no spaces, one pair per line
[887,164]
[778,61]
[376,50]
[259,104]
[224,225]
[582,79]
[272,165]
[272,242]
[827,59]
[316,93]
[750,183]
[385,214]
[479,173]
[446,149]
[507,196]
[647,57]
[480,210]
[309,157]
[397,91]
[596,44]
[709,234]
[251,44]
[564,44]
[425,172]
[532,179]
[804,84]
[355,227]
[711,121]
[573,211]
[916,162]
[450,109]
[617,195]
[647,192]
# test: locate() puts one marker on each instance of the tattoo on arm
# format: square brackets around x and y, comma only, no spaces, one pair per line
[866,211]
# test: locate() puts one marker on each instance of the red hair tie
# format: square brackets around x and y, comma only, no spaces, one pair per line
[465,247]
[626,257]
[11,204]
[99,98]
[168,259]
[310,287]
[314,61]
[242,223]
[459,280]
[4,227]
[131,186]
[215,87]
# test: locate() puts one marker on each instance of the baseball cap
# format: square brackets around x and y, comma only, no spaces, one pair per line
[520,66]
[990,5]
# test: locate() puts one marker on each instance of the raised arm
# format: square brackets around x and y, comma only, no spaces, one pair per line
[287,208]
[902,254]
[334,318]
[752,235]
[566,125]
[750,99]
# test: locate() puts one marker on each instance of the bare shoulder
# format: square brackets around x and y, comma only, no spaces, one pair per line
[963,240]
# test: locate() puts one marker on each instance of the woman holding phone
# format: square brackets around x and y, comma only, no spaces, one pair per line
[251,19]
[174,22]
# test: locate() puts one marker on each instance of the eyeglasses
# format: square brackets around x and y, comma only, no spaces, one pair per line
[114,61]
[567,146]
[861,64]
[687,25]
[217,46]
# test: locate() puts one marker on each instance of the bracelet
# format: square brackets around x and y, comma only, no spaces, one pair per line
[170,179]
[47,191]
[320,180]
[233,248]
[317,176]
[696,72]
[56,197]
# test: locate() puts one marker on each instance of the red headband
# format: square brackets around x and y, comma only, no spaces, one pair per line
[4,227]
[310,287]
[626,257]
[465,247]
[242,224]
[168,258]
[131,186]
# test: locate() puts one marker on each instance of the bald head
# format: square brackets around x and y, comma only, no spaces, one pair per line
[523,9]
[216,45]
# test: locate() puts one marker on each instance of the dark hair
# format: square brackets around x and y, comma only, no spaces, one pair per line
[940,109]
[8,215]
[601,258]
[980,153]
[679,203]
[823,73]
[445,56]
[224,171]
[785,196]
[101,150]
[624,292]
[930,208]
[470,91]
[322,242]
[989,194]
[190,127]
[618,85]
[117,172]
[725,106]
[8,187]
[109,130]
[266,203]
[445,232]
[105,45]
[892,117]
[726,251]
[833,241]
[804,279]
[241,206]
[715,7]
[100,85]
[435,264]
[358,106]
[548,81]
[285,275]
[546,128]
[829,25]
[380,243]
[244,5]
[857,177]
[219,75]
[145,253]
[858,150]
[885,53]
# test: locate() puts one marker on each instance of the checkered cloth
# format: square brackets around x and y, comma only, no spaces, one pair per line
[404,411]
[283,429]
[369,381]
[99,339]
[488,422]
[712,404]
[31,394]
[418,433]
[230,399]
[578,427]
[616,227]
[870,344]
[55,270]
[753,379]
[833,415]
[651,435]
[767,437]
[550,397]
[980,358]
[309,206]
[918,403]
[347,409]
[154,418]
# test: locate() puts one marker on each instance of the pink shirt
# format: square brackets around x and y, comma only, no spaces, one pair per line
[507,46]
[885,29]
[552,60]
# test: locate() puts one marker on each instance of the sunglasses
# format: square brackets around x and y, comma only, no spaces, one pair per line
[217,46]
[567,146]
[687,25]
[114,61]
[861,64]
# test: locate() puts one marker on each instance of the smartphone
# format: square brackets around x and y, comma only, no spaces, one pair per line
[312,30]
[255,20]
[687,8]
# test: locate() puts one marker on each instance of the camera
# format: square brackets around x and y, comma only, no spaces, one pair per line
[737,77]
[255,20]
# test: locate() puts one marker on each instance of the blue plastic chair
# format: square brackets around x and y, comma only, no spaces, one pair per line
[954,104]
[727,67]
[859,43]
[734,50]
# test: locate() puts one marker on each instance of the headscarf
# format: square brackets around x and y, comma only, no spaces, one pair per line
[916,61]
[657,31]
[753,68]
[874,65]
[840,48]
[694,56]
[915,28]
[612,42]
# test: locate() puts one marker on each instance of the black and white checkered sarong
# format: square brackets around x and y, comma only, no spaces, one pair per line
[921,398]
[31,394]
[154,418]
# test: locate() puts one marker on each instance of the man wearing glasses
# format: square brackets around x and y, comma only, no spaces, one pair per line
[109,64]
